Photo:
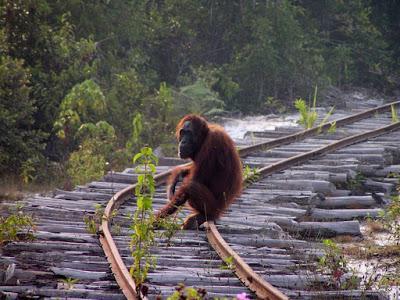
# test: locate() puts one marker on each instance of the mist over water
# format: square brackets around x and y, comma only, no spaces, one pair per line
[237,128]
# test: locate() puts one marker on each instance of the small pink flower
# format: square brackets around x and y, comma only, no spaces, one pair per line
[242,296]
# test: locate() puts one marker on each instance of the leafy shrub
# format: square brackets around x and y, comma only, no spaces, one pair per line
[334,263]
[84,103]
[14,224]
[198,98]
[84,165]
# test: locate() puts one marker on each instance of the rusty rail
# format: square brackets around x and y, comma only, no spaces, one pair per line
[121,273]
[315,130]
[243,271]
[261,288]
[294,160]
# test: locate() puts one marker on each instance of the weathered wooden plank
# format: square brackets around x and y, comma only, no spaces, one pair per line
[328,229]
[80,274]
[345,202]
[32,291]
[344,214]
[334,295]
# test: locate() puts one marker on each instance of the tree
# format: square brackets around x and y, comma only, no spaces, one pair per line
[19,141]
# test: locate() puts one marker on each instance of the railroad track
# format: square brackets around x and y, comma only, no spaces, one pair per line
[271,233]
[229,224]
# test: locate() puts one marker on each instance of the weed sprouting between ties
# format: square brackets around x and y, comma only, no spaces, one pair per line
[309,114]
[16,226]
[143,236]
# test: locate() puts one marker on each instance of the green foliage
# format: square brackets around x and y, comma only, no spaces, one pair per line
[250,175]
[278,49]
[354,49]
[334,263]
[41,59]
[274,105]
[143,219]
[84,103]
[137,128]
[44,38]
[84,165]
[69,282]
[332,128]
[170,226]
[228,264]
[68,63]
[308,115]
[27,171]
[125,98]
[152,123]
[395,117]
[101,137]
[391,216]
[20,143]
[16,225]
[198,98]
[93,221]
[95,153]
[187,293]
[355,183]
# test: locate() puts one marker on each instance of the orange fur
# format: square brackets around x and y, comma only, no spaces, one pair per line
[213,181]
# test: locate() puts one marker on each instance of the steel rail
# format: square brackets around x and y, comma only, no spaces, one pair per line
[253,281]
[262,288]
[121,273]
[315,130]
[243,271]
[294,160]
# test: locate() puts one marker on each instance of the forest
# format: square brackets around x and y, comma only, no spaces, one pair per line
[84,84]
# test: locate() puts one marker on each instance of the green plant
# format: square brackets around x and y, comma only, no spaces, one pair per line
[391,216]
[84,165]
[228,264]
[334,263]
[250,175]
[395,117]
[16,223]
[332,128]
[28,170]
[199,98]
[143,219]
[274,105]
[137,128]
[170,226]
[20,142]
[308,114]
[93,220]
[328,114]
[187,293]
[69,282]
[84,103]
[355,183]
